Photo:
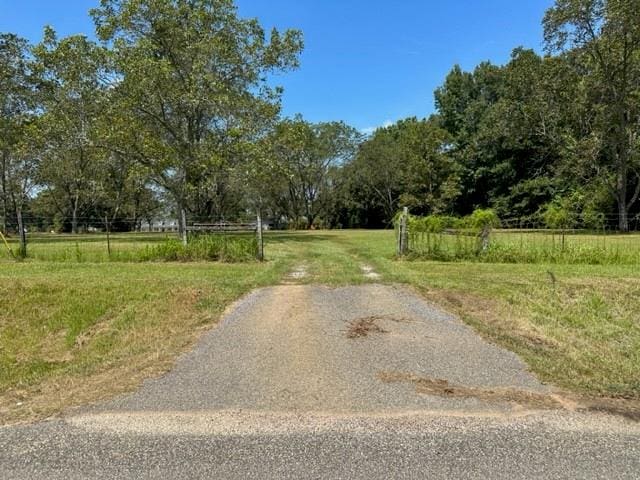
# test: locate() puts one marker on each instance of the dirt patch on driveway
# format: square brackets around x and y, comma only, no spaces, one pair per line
[363,327]
[443,388]
[628,409]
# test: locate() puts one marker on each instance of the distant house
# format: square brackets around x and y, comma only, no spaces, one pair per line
[164,225]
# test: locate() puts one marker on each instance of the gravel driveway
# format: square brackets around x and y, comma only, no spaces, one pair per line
[308,381]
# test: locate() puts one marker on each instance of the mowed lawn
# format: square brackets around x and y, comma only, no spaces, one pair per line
[76,328]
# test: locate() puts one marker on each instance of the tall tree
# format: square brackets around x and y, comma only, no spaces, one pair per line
[73,92]
[191,82]
[510,128]
[18,162]
[377,177]
[306,153]
[603,37]
[406,164]
[463,102]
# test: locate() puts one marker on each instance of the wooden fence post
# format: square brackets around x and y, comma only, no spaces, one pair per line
[107,227]
[485,237]
[403,235]
[260,238]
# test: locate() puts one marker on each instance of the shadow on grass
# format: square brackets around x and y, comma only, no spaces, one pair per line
[300,237]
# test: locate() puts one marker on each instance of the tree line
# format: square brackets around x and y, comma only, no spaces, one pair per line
[170,113]
[166,110]
[542,136]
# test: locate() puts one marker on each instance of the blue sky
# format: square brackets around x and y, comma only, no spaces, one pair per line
[367,62]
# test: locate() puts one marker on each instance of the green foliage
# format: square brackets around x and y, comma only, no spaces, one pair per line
[297,183]
[433,223]
[593,219]
[453,239]
[602,39]
[193,87]
[221,248]
[143,123]
[558,215]
[475,222]
[483,218]
[579,210]
[19,159]
[403,165]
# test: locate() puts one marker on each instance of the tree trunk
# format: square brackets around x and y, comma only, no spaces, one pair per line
[74,215]
[621,153]
[621,194]
[3,179]
[623,215]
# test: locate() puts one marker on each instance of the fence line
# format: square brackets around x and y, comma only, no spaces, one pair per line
[102,240]
[521,241]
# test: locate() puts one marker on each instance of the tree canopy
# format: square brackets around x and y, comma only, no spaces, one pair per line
[174,113]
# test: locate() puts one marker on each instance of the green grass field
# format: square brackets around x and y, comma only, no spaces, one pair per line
[74,330]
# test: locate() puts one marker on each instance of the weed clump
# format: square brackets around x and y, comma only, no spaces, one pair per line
[218,248]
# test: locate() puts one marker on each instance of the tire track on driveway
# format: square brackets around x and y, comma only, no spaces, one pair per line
[286,348]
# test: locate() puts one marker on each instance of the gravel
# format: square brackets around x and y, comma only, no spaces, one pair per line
[287,349]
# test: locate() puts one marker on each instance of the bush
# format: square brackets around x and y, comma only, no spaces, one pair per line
[482,218]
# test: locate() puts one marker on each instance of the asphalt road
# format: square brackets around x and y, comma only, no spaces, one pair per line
[312,382]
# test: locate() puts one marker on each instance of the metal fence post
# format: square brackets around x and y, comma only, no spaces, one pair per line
[183,227]
[22,232]
[403,236]
[260,238]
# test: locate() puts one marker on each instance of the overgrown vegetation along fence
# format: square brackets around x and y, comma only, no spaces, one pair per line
[234,243]
[482,237]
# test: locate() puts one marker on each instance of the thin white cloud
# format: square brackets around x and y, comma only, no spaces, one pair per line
[371,130]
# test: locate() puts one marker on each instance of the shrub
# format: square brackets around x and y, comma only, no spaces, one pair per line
[481,219]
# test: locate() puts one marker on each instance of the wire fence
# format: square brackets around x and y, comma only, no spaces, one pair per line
[448,239]
[526,241]
[127,239]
